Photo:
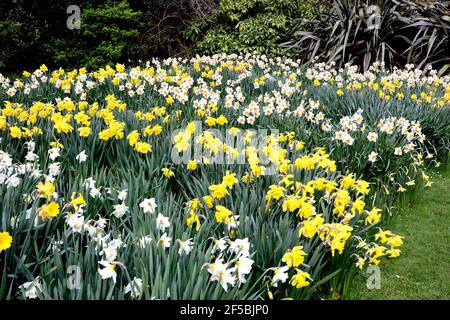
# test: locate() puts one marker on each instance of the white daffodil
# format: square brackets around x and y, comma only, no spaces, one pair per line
[219,244]
[31,288]
[244,267]
[53,153]
[372,136]
[135,288]
[144,241]
[31,157]
[165,240]
[120,210]
[54,169]
[280,274]
[220,273]
[76,222]
[185,246]
[12,181]
[102,222]
[89,183]
[110,253]
[108,272]
[95,192]
[81,157]
[240,247]
[110,250]
[234,222]
[162,222]
[122,195]
[373,156]
[31,145]
[91,230]
[148,205]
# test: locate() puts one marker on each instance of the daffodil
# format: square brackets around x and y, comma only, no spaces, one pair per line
[223,215]
[109,270]
[275,193]
[300,279]
[168,173]
[49,211]
[5,241]
[192,165]
[46,189]
[185,246]
[229,179]
[218,191]
[311,226]
[135,288]
[164,240]
[162,222]
[219,272]
[373,216]
[280,275]
[148,205]
[294,257]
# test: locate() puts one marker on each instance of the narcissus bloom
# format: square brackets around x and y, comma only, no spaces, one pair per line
[109,270]
[373,156]
[120,210]
[165,240]
[393,253]
[311,226]
[185,246]
[192,165]
[275,193]
[244,267]
[167,173]
[295,257]
[373,216]
[162,222]
[223,215]
[229,179]
[300,279]
[32,288]
[220,273]
[84,131]
[218,191]
[372,136]
[143,147]
[280,275]
[5,241]
[148,205]
[49,211]
[77,201]
[15,132]
[81,157]
[135,287]
[46,189]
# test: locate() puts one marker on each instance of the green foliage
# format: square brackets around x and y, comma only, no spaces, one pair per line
[245,26]
[361,32]
[107,35]
[111,31]
[19,32]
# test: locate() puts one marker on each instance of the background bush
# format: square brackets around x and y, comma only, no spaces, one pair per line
[35,32]
[108,34]
[407,32]
[243,26]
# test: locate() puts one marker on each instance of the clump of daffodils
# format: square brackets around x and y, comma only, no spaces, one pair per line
[160,170]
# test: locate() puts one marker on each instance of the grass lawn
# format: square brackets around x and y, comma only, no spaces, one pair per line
[422,272]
